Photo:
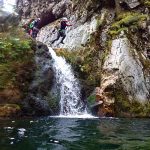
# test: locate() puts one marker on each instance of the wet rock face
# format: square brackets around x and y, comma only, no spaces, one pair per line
[41,85]
[123,69]
[124,66]
[129,69]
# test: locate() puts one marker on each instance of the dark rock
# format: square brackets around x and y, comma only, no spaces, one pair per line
[130,3]
[39,106]
[38,97]
[148,53]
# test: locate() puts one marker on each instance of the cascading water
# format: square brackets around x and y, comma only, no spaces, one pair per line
[70,97]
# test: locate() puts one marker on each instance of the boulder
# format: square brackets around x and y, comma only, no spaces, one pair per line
[39,97]
[126,68]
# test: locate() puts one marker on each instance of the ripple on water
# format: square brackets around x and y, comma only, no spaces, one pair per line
[55,133]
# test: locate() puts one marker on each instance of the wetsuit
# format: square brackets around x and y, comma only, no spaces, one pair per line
[62,31]
[34,28]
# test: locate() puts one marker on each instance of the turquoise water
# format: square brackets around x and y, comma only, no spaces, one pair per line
[75,134]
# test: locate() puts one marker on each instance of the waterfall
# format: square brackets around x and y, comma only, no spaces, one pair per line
[69,88]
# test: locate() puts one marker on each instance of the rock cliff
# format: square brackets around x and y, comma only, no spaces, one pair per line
[108,47]
[25,76]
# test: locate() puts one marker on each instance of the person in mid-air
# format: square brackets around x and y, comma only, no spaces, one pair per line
[34,27]
[62,31]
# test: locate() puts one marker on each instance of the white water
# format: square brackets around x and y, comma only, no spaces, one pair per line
[80,116]
[70,97]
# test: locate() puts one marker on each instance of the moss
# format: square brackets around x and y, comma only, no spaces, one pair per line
[125,21]
[147,3]
[145,62]
[11,105]
[53,102]
[16,65]
[117,32]
[9,110]
[85,62]
[101,20]
[129,108]
[14,47]
[91,99]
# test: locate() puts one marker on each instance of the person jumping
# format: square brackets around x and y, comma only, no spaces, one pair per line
[62,30]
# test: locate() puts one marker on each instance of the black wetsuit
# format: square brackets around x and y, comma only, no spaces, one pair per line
[63,25]
[62,32]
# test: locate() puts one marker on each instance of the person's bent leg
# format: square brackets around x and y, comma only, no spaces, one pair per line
[62,40]
[63,37]
[58,36]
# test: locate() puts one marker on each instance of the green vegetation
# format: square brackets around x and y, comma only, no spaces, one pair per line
[15,51]
[8,110]
[53,102]
[147,3]
[14,47]
[84,62]
[126,21]
[126,108]
[145,62]
[16,66]
[91,99]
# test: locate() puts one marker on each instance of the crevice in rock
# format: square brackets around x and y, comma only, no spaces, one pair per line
[109,3]
[46,18]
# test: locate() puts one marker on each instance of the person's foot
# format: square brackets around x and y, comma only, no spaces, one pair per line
[52,42]
[62,42]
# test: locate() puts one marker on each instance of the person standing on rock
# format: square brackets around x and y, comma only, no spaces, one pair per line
[34,27]
[62,30]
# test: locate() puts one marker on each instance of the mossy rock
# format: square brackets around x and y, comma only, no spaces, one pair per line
[9,110]
[91,99]
[16,67]
[53,101]
[126,21]
[129,108]
[85,64]
[147,3]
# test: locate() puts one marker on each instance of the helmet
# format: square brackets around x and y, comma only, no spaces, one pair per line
[64,19]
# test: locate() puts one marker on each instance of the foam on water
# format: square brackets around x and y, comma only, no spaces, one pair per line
[84,116]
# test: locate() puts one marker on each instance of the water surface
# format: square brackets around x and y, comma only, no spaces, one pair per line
[75,134]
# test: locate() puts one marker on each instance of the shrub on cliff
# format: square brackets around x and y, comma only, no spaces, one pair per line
[16,66]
